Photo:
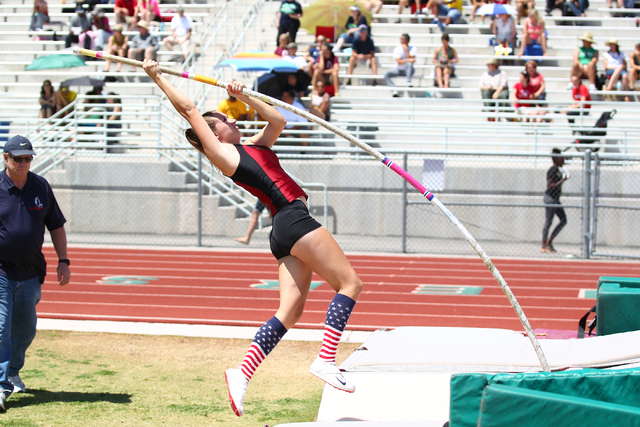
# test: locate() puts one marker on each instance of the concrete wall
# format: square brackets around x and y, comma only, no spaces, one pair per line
[373,207]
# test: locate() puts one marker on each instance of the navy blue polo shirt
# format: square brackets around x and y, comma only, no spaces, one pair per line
[364,47]
[23,216]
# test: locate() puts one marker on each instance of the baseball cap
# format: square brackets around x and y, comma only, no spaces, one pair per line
[180,9]
[19,146]
[144,24]
[356,8]
[363,27]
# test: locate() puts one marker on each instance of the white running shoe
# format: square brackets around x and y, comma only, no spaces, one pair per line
[329,373]
[237,387]
[18,385]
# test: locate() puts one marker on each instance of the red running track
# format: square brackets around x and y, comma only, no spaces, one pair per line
[214,288]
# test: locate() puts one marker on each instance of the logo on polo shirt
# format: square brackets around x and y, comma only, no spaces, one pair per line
[38,205]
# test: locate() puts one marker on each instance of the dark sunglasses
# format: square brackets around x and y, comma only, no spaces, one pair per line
[24,159]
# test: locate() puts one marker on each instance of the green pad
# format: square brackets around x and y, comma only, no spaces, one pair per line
[617,308]
[613,386]
[626,282]
[505,406]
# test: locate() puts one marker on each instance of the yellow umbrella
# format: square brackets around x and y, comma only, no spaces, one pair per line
[329,13]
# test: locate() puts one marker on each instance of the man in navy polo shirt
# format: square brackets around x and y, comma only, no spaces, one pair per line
[363,50]
[27,205]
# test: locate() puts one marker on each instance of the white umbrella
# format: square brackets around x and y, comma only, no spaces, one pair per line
[496,9]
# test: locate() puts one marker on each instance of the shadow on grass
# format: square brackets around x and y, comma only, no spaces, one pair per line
[37,397]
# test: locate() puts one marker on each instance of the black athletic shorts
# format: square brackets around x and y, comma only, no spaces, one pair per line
[289,225]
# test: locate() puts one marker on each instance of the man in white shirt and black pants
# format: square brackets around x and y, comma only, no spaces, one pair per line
[405,56]
[181,29]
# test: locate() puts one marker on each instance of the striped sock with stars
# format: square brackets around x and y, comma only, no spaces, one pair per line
[337,318]
[265,340]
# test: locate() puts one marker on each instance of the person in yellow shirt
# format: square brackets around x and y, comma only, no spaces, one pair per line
[236,110]
[64,97]
[450,9]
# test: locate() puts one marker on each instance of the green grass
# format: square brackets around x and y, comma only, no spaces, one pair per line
[96,379]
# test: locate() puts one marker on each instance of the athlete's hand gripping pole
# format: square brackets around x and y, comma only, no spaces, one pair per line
[387,162]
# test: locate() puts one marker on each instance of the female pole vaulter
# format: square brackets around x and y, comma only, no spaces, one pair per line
[299,243]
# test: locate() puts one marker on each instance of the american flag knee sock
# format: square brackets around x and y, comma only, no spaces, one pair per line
[337,318]
[268,336]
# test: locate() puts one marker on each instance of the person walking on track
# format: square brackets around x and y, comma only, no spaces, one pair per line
[27,205]
[300,244]
[556,176]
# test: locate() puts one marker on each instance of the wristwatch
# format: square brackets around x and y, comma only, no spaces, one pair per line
[65,261]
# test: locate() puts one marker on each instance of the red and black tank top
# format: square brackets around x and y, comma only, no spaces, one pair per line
[259,172]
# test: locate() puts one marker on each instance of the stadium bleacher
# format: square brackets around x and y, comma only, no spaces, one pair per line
[18,47]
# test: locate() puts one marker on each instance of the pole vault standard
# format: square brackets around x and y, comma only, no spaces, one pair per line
[376,154]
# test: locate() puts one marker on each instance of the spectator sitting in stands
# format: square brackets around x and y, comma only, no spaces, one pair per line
[363,50]
[445,57]
[103,30]
[575,7]
[118,44]
[293,120]
[144,45]
[405,57]
[320,102]
[312,55]
[181,30]
[615,66]
[314,52]
[504,30]
[352,27]
[113,109]
[523,91]
[523,7]
[580,95]
[294,86]
[408,3]
[149,10]
[47,100]
[40,15]
[634,63]
[81,24]
[585,59]
[292,56]
[126,11]
[327,70]
[536,82]
[450,9]
[236,110]
[533,32]
[493,86]
[64,97]
[373,6]
[283,42]
[476,5]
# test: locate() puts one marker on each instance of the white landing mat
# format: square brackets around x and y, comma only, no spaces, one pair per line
[389,396]
[404,374]
[414,349]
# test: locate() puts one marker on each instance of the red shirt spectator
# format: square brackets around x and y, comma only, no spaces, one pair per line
[523,92]
[579,92]
[130,5]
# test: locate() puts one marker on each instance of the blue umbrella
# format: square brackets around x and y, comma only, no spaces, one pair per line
[496,9]
[258,64]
